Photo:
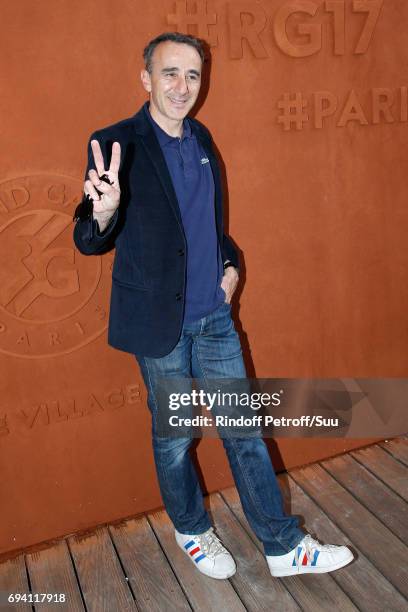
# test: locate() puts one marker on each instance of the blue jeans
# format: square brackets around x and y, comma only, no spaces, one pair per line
[210,348]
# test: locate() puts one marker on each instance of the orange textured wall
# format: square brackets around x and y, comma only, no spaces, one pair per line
[317,204]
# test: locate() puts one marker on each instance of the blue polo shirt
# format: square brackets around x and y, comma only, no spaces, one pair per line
[193,183]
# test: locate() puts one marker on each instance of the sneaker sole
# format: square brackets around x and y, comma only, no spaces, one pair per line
[202,571]
[310,569]
[225,577]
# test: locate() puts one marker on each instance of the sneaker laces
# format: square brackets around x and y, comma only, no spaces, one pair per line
[210,544]
[311,545]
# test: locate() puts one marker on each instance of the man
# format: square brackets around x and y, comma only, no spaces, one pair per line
[174,275]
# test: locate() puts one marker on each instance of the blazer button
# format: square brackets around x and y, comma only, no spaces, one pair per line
[180,252]
[178,296]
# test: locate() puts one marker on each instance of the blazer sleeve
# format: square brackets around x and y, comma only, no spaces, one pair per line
[229,252]
[88,239]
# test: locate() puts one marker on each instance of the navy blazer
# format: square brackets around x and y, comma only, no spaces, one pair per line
[149,270]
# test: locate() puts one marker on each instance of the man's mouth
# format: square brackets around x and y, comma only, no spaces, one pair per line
[178,102]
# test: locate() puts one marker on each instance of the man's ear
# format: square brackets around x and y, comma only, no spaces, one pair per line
[146,82]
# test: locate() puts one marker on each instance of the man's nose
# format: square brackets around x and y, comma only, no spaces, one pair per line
[182,84]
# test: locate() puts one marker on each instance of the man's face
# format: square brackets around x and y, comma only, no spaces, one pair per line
[174,81]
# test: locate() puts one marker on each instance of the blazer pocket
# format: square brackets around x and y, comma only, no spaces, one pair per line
[128,285]
[129,304]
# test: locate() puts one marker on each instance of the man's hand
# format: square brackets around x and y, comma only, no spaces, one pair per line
[104,205]
[229,282]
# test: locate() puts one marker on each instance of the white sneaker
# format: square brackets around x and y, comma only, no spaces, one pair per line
[207,553]
[309,557]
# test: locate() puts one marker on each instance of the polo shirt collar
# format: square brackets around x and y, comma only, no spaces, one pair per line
[162,136]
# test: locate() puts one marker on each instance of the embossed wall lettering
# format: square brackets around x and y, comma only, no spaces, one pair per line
[57,411]
[295,27]
[313,31]
[300,29]
[52,300]
[246,21]
[321,109]
[198,17]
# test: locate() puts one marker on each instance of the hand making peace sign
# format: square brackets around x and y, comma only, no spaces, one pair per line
[108,201]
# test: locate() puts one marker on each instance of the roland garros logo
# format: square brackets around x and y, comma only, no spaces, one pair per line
[53,300]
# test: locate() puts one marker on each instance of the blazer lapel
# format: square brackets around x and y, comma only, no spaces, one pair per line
[153,150]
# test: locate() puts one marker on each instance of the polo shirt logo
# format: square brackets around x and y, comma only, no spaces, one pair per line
[205,160]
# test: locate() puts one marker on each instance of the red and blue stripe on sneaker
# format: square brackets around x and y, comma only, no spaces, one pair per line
[194,551]
[305,560]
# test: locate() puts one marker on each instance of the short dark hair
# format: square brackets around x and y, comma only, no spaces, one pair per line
[176,37]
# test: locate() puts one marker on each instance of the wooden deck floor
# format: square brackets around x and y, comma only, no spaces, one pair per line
[358,499]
